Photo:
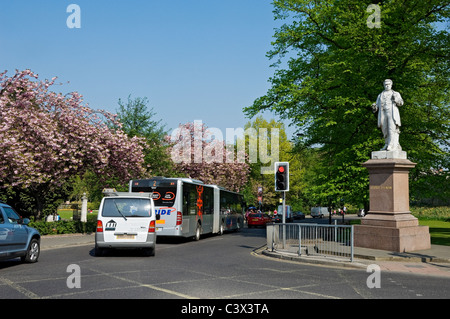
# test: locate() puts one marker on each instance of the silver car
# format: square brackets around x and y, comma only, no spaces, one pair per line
[16,238]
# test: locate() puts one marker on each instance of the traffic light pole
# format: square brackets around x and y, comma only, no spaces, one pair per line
[284,219]
[282,185]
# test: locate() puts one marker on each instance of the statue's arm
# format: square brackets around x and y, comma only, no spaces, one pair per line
[375,105]
[398,99]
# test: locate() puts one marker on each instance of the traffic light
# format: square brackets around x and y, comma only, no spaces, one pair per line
[282,176]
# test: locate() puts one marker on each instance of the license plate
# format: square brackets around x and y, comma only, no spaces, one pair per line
[254,219]
[125,236]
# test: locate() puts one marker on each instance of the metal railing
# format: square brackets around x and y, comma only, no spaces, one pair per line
[311,239]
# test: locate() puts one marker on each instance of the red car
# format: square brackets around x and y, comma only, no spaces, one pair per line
[258,219]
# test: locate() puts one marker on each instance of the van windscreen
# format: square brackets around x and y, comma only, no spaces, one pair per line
[126,207]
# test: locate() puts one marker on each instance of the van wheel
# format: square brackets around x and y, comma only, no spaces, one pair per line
[98,252]
[150,252]
[221,229]
[198,232]
[33,251]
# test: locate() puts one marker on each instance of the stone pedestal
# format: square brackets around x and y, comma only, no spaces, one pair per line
[389,224]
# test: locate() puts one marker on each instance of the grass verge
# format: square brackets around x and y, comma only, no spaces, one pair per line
[439,231]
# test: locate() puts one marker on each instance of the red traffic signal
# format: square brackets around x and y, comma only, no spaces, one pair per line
[282,176]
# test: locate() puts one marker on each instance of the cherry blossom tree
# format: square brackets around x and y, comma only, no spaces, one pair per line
[47,137]
[199,154]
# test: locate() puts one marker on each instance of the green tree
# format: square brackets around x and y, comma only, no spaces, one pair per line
[285,153]
[336,63]
[92,186]
[138,120]
[47,138]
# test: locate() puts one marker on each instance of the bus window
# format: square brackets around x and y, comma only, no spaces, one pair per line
[189,199]
[208,201]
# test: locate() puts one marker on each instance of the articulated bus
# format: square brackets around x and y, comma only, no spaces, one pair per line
[189,208]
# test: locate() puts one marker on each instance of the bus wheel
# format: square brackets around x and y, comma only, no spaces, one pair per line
[198,232]
[221,229]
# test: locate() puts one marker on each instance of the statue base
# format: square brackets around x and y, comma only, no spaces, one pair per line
[398,154]
[396,239]
[389,224]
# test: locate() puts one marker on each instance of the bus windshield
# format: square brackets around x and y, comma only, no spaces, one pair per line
[164,196]
[164,191]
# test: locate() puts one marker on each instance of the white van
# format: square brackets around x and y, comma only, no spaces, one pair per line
[126,220]
[319,212]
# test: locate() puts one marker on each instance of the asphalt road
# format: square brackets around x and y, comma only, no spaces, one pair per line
[216,267]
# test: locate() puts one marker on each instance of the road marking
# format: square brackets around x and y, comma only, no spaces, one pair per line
[179,294]
[19,288]
[273,288]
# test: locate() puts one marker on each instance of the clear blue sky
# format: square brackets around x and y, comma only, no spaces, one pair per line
[193,59]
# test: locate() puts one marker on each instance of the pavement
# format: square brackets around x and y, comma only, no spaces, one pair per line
[434,261]
[68,240]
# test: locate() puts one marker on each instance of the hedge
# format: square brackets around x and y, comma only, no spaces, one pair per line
[65,226]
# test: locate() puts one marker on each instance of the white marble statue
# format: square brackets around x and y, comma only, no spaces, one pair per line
[387,105]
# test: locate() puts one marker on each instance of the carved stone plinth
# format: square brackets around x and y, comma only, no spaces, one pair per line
[389,224]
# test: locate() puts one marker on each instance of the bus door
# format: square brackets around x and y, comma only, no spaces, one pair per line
[198,204]
[208,209]
[216,211]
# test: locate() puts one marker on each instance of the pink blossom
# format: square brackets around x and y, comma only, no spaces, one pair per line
[47,137]
[201,161]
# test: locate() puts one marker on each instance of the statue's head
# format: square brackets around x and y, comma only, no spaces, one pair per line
[387,84]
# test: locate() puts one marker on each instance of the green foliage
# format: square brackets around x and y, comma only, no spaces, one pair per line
[138,120]
[24,199]
[286,153]
[432,213]
[439,231]
[65,227]
[334,71]
[90,184]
